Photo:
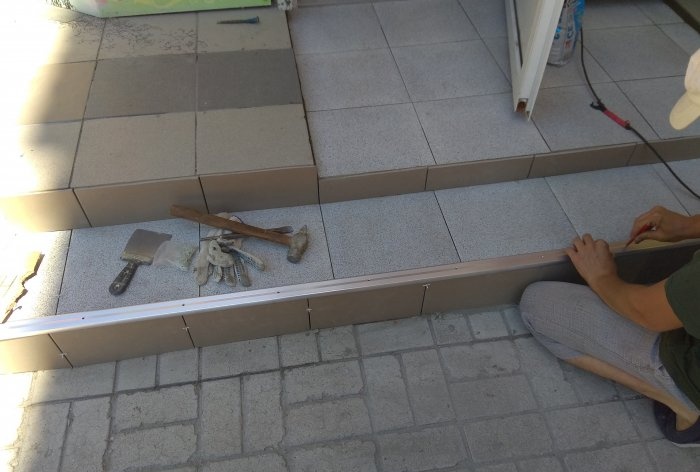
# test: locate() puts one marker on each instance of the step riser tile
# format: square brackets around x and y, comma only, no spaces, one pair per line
[478,173]
[262,189]
[583,160]
[370,185]
[670,150]
[146,201]
[44,211]
[30,354]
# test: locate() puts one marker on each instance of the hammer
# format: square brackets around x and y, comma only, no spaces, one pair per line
[297,242]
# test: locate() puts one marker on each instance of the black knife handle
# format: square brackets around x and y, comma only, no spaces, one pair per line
[123,279]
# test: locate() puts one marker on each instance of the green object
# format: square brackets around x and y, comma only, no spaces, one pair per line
[680,349]
[111,8]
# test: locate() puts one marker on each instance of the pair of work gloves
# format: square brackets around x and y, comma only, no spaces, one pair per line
[221,258]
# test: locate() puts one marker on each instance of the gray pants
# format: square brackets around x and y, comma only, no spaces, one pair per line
[571,320]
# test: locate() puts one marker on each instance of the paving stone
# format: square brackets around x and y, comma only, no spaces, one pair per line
[142,86]
[514,321]
[298,348]
[326,421]
[588,426]
[498,468]
[323,381]
[590,388]
[669,457]
[488,325]
[506,438]
[73,383]
[240,357]
[337,343]
[450,328]
[422,450]
[86,438]
[427,388]
[243,79]
[550,386]
[356,456]
[178,366]
[42,437]
[166,405]
[480,360]
[262,411]
[386,391]
[136,373]
[266,462]
[630,457]
[642,416]
[395,335]
[544,464]
[220,418]
[491,397]
[423,22]
[158,447]
[336,28]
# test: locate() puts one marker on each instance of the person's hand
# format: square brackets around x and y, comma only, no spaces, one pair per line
[666,225]
[592,259]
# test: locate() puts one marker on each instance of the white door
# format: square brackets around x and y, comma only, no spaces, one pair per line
[531,28]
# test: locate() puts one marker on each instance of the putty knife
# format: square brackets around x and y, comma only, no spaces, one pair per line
[140,249]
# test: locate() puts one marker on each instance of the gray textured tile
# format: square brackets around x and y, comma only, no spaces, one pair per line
[94,261]
[683,35]
[641,52]
[488,17]
[498,47]
[112,150]
[314,266]
[658,11]
[566,120]
[236,140]
[270,33]
[142,85]
[689,171]
[44,288]
[38,157]
[572,73]
[529,206]
[335,28]
[149,35]
[350,79]
[242,79]
[387,234]
[616,14]
[412,22]
[54,92]
[477,128]
[392,138]
[604,203]
[655,98]
[438,71]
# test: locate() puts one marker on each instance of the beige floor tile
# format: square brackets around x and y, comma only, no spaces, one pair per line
[134,149]
[270,33]
[237,140]
[149,35]
[37,157]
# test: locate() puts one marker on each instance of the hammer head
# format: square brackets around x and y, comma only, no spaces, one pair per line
[298,244]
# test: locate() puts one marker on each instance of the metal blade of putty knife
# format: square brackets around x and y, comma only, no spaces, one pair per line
[140,249]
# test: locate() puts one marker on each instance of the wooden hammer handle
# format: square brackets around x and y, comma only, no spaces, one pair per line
[223,223]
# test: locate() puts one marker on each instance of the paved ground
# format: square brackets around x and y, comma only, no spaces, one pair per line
[453,392]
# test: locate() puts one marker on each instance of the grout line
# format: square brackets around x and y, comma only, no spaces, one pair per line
[328,245]
[449,231]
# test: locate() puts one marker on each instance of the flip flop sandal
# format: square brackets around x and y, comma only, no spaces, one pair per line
[666,421]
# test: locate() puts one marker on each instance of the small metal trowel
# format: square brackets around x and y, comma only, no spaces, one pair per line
[140,249]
